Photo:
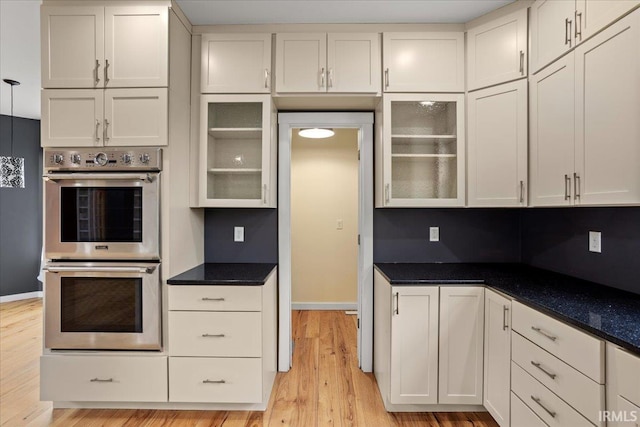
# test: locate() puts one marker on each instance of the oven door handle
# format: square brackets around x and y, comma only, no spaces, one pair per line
[55,269]
[100,176]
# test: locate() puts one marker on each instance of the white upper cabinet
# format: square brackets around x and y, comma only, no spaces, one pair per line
[97,47]
[593,15]
[353,62]
[551,31]
[236,63]
[423,62]
[72,118]
[461,345]
[497,51]
[552,107]
[334,62]
[135,117]
[497,146]
[607,163]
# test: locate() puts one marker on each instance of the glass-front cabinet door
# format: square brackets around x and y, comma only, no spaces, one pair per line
[237,152]
[422,150]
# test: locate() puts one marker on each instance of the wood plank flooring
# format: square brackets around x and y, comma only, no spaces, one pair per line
[325,387]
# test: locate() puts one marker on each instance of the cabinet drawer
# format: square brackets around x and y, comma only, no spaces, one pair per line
[225,334]
[546,405]
[105,379]
[215,298]
[575,388]
[580,350]
[217,380]
[628,413]
[627,374]
[522,416]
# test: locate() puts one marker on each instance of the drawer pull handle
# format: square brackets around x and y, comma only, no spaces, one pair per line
[213,335]
[98,380]
[214,382]
[541,332]
[505,325]
[537,365]
[537,400]
[212,299]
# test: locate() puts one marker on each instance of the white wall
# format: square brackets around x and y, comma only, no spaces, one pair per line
[324,189]
[20,57]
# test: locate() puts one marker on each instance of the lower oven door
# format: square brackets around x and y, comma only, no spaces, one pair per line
[104,216]
[102,306]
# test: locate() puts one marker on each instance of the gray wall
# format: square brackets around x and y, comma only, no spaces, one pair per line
[260,235]
[466,235]
[557,239]
[21,210]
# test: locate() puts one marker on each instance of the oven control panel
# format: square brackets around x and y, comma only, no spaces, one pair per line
[103,159]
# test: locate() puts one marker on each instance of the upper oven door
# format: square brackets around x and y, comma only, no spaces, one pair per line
[102,216]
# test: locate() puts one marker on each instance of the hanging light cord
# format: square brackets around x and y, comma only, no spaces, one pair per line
[11,120]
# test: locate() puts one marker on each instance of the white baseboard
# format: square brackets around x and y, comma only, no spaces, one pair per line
[343,306]
[17,297]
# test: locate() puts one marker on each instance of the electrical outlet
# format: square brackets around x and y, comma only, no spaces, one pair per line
[595,241]
[340,224]
[238,234]
[434,234]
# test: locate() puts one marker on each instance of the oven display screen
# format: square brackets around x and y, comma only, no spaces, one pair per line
[99,214]
[101,304]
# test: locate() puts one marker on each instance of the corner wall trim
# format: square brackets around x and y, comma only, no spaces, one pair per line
[342,306]
[17,297]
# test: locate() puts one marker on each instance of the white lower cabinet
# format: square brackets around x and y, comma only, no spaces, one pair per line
[88,378]
[461,344]
[497,357]
[222,343]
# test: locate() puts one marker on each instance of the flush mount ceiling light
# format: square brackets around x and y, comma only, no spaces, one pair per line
[11,168]
[316,133]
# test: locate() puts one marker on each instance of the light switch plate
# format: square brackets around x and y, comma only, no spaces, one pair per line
[595,241]
[238,234]
[434,234]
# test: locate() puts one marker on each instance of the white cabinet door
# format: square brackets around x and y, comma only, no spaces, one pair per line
[497,165]
[135,117]
[593,15]
[71,117]
[136,46]
[72,46]
[301,62]
[353,62]
[461,345]
[497,51]
[236,63]
[423,62]
[551,30]
[608,108]
[552,115]
[497,356]
[414,345]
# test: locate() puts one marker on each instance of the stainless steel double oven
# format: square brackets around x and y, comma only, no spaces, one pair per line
[102,246]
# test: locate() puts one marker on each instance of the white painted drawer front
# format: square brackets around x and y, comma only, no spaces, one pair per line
[522,416]
[217,380]
[628,414]
[549,407]
[578,390]
[103,378]
[627,374]
[215,298]
[578,349]
[225,334]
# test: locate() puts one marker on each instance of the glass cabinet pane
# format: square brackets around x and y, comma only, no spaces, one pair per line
[234,150]
[424,157]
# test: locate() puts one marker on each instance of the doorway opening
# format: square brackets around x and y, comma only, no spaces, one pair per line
[325,223]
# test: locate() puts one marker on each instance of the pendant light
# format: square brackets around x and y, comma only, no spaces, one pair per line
[11,168]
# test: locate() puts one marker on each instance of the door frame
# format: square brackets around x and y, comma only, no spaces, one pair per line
[363,122]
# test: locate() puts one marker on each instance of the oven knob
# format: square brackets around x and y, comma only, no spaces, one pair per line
[126,159]
[101,159]
[58,159]
[75,159]
[145,158]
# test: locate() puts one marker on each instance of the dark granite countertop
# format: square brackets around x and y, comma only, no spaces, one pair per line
[609,313]
[224,274]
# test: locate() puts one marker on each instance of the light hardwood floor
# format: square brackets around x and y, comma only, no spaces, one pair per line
[325,387]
